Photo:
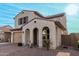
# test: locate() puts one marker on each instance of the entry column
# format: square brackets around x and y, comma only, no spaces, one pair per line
[40,38]
[23,38]
[11,37]
[31,36]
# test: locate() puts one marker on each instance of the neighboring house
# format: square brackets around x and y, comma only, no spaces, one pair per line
[5,33]
[33,28]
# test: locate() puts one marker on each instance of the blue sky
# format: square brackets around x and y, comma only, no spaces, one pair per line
[8,11]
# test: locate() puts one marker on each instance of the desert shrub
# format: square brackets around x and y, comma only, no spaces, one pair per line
[19,44]
[77,45]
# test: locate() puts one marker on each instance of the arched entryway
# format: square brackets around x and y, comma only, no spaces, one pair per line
[35,37]
[27,36]
[45,36]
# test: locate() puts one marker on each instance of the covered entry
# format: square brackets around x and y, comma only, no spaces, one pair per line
[35,37]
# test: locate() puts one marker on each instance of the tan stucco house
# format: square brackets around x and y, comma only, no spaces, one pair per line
[33,28]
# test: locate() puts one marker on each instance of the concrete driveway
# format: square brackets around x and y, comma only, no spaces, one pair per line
[7,49]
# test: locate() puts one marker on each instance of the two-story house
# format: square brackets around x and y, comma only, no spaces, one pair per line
[33,28]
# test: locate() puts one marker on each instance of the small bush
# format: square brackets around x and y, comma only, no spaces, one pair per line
[77,45]
[19,44]
[31,46]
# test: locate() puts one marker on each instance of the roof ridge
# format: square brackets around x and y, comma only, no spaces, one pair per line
[37,13]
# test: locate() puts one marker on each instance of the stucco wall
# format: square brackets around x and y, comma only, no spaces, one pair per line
[40,24]
[58,36]
[63,21]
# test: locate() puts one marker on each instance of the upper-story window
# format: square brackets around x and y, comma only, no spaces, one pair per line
[20,21]
[23,20]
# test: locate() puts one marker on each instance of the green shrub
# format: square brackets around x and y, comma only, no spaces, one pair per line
[77,45]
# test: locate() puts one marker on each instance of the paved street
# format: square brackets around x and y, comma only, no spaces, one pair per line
[7,49]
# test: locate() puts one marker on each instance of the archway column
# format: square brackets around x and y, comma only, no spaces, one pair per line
[12,37]
[40,38]
[31,36]
[53,38]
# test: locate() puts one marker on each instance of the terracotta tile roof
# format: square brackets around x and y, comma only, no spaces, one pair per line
[5,28]
[60,25]
[16,29]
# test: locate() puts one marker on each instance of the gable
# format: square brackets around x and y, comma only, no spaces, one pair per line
[23,14]
[42,21]
[38,22]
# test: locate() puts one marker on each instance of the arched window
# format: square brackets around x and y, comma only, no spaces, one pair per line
[45,36]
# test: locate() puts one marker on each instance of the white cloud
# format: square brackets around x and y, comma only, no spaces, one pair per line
[71,9]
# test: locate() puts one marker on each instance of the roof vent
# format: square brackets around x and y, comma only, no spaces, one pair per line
[34,21]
